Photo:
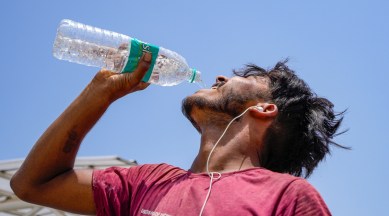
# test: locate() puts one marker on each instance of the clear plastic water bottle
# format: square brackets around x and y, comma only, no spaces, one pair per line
[97,47]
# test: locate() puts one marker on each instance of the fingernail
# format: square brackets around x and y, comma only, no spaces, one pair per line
[147,56]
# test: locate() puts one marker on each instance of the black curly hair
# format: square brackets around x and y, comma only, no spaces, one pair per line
[301,134]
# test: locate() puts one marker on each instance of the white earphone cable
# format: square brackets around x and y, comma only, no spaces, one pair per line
[211,174]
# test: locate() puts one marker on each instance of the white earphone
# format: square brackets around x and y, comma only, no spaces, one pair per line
[217,175]
[258,108]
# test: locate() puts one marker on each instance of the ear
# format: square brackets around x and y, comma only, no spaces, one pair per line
[268,110]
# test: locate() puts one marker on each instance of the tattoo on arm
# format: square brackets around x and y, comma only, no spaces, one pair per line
[71,142]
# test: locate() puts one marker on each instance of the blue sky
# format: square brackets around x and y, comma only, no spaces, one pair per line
[338,47]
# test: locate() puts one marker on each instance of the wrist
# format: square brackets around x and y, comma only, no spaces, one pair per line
[95,94]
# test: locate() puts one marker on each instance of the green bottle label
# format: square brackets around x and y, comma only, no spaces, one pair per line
[137,48]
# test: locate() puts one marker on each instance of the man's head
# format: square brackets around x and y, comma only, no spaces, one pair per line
[225,100]
[300,134]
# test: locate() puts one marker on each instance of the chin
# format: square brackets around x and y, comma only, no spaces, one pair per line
[187,106]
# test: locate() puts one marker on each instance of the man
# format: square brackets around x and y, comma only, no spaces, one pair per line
[284,129]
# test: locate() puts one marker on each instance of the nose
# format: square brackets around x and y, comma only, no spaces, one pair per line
[220,79]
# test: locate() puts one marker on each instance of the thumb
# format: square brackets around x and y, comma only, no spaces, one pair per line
[142,68]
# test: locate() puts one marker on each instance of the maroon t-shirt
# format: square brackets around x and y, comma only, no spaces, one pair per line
[164,190]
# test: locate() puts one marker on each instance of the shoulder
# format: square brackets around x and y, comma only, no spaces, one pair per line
[301,187]
[304,198]
[297,196]
[274,178]
[294,186]
[160,171]
[146,171]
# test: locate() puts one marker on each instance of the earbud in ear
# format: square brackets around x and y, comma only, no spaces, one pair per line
[260,109]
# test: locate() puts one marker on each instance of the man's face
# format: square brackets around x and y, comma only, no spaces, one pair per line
[226,97]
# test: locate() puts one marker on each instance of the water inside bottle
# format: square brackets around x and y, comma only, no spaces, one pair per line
[90,54]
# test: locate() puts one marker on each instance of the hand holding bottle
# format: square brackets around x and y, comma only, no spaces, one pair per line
[112,86]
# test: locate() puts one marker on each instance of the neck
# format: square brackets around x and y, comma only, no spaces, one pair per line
[237,150]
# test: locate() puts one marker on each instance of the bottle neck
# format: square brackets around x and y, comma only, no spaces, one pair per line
[193,77]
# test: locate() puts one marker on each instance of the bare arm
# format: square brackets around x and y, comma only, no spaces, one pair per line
[47,176]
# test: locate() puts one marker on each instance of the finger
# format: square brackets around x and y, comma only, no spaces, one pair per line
[142,85]
[143,66]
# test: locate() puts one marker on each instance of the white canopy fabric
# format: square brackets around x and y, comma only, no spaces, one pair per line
[11,205]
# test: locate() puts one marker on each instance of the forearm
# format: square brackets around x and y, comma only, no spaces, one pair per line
[55,151]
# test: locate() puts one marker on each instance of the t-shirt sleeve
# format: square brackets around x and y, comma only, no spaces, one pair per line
[115,187]
[111,191]
[302,199]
